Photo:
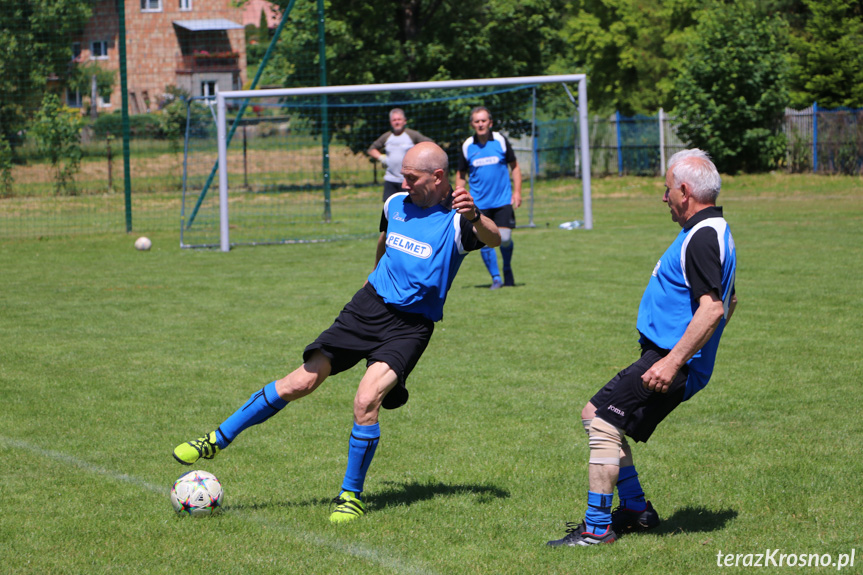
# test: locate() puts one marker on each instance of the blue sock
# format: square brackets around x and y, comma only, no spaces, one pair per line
[262,405]
[598,516]
[489,258]
[361,449]
[506,252]
[629,489]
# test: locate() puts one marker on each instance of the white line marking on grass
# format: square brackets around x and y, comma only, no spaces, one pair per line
[81,464]
[354,549]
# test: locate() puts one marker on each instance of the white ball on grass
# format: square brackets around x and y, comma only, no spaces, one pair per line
[197,493]
[143,243]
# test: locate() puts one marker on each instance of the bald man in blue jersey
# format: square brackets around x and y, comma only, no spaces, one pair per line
[689,299]
[426,232]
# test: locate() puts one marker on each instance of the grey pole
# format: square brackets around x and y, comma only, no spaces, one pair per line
[585,152]
[222,142]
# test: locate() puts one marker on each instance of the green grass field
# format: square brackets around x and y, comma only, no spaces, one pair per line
[109,357]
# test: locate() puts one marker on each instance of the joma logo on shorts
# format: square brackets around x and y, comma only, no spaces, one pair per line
[409,246]
[615,410]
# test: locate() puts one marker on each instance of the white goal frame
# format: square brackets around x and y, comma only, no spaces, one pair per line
[222,140]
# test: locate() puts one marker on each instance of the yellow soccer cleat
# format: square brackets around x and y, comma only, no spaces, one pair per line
[191,451]
[348,508]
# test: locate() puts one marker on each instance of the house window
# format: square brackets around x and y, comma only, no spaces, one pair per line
[151,5]
[99,50]
[208,88]
[76,51]
[185,5]
[73,98]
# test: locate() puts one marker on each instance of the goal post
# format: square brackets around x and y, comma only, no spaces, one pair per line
[327,97]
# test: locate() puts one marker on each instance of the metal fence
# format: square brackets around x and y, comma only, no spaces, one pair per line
[825,141]
[818,140]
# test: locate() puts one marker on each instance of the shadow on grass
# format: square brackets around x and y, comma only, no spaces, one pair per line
[695,520]
[488,285]
[394,494]
[409,493]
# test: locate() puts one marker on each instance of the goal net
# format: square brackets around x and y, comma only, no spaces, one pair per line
[291,165]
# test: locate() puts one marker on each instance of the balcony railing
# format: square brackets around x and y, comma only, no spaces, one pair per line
[209,62]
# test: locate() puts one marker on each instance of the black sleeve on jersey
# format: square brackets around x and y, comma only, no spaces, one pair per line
[384,221]
[462,162]
[703,268]
[510,153]
[469,239]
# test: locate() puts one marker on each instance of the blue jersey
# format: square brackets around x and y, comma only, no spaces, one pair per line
[701,259]
[487,166]
[424,250]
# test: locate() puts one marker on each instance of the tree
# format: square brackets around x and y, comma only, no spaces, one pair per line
[731,92]
[827,56]
[34,46]
[6,179]
[81,78]
[628,49]
[413,40]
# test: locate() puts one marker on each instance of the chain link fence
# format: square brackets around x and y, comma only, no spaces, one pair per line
[70,163]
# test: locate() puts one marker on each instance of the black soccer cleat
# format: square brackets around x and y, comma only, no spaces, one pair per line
[628,521]
[577,535]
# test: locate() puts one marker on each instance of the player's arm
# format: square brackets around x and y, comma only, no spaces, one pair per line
[375,149]
[381,248]
[731,305]
[516,184]
[461,172]
[485,229]
[698,332]
[460,179]
[417,137]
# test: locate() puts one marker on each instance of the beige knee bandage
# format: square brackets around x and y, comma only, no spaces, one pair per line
[605,442]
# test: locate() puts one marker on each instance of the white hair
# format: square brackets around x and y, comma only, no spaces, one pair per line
[695,168]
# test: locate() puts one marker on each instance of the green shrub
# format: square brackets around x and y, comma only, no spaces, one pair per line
[173,115]
[140,126]
[6,179]
[57,130]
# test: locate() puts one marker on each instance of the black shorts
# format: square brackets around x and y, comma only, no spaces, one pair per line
[391,188]
[503,217]
[368,328]
[625,403]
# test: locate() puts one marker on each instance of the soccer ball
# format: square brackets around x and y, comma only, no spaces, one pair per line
[196,493]
[143,243]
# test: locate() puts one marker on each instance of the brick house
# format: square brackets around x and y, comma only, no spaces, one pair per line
[195,45]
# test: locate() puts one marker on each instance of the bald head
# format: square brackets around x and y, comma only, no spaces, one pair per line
[426,174]
[426,157]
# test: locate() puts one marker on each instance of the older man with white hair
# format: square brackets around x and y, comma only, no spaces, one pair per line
[688,302]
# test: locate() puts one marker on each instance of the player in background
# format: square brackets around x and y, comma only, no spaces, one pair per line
[428,230]
[485,163]
[688,301]
[391,147]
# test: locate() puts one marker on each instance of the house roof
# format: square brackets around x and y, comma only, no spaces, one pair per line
[207,25]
